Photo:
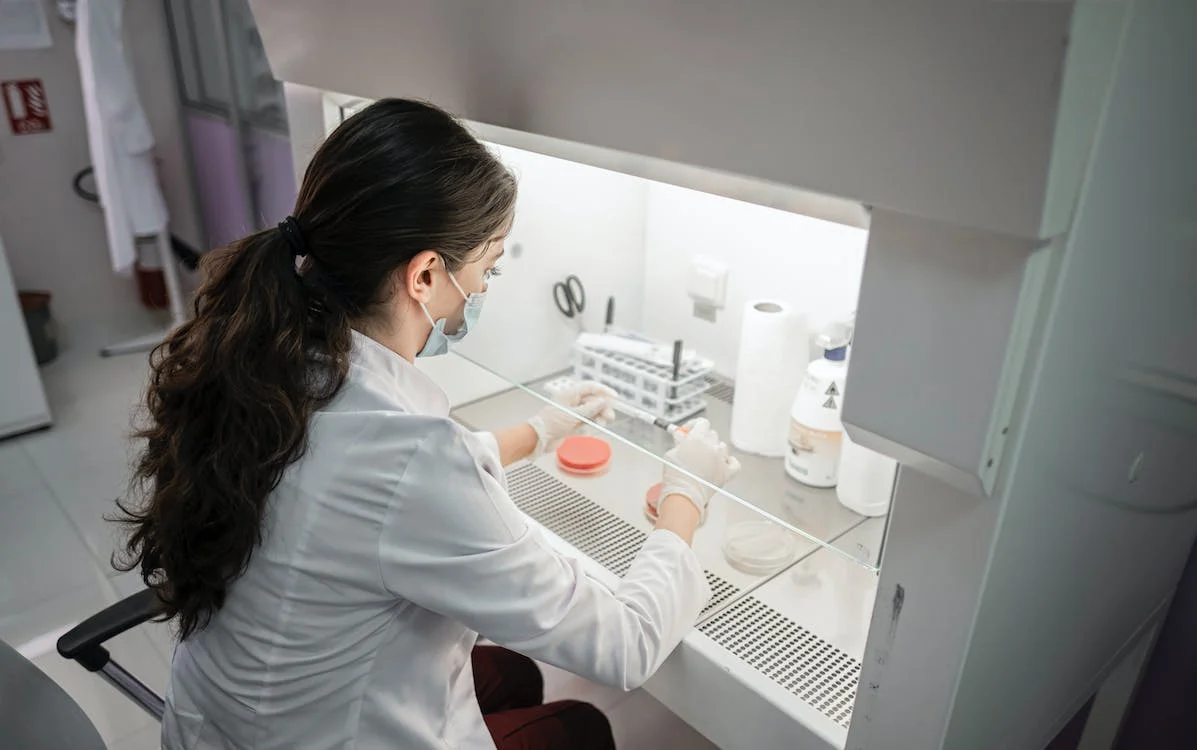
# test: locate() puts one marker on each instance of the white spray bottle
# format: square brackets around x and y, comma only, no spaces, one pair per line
[816,432]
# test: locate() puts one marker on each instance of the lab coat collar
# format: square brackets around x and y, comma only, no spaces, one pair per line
[415,391]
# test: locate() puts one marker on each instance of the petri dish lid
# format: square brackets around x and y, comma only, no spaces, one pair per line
[650,502]
[758,547]
[653,494]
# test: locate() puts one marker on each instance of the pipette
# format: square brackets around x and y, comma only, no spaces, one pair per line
[553,387]
[648,417]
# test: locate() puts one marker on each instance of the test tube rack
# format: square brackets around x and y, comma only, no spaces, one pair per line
[648,385]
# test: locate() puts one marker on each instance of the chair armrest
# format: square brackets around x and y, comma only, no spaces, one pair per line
[84,642]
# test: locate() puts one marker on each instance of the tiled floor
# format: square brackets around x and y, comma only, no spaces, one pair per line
[56,486]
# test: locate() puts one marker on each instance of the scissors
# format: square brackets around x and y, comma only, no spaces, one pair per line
[570,296]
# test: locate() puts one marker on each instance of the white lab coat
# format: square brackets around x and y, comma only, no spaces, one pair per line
[389,547]
[118,133]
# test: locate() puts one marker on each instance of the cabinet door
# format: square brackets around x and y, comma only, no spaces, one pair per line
[22,401]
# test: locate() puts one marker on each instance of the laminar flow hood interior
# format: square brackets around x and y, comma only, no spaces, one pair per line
[932,123]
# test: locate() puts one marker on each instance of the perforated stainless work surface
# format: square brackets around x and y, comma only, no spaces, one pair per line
[817,672]
[600,534]
[814,670]
[762,481]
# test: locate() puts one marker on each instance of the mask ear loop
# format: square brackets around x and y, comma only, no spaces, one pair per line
[427,316]
[457,286]
[453,279]
[424,308]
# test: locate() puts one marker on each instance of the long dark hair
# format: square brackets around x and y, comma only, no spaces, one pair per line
[231,392]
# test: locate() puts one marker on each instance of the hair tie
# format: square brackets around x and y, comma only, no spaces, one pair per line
[289,228]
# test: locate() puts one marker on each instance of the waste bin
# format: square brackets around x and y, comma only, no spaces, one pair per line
[42,334]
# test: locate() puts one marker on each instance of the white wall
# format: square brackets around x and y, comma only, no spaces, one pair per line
[570,219]
[811,264]
[634,239]
[55,240]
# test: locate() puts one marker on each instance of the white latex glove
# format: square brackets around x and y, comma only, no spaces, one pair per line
[588,399]
[699,452]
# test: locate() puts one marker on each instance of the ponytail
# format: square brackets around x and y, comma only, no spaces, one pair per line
[229,400]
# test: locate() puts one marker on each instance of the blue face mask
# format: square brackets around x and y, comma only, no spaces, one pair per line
[438,341]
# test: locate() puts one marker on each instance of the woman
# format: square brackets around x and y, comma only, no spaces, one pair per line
[330,543]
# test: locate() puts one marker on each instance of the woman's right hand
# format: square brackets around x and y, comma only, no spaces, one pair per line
[697,453]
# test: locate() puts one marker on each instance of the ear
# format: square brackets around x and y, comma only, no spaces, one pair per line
[416,277]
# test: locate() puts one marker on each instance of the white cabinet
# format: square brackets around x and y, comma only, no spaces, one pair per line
[23,404]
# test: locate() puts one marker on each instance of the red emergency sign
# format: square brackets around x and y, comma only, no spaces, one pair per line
[25,102]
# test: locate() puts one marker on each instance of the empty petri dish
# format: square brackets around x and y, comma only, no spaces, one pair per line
[758,547]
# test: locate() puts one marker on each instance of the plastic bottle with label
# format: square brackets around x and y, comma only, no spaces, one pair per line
[816,432]
[866,479]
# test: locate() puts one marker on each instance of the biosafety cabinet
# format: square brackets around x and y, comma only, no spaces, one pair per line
[1003,193]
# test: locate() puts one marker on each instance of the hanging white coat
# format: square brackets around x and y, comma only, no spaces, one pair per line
[388,548]
[118,133]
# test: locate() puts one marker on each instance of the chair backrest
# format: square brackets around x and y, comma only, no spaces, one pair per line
[37,714]
[84,644]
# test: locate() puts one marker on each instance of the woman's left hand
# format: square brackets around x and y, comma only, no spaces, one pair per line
[588,400]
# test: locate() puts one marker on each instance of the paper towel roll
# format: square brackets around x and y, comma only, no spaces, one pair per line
[774,353]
